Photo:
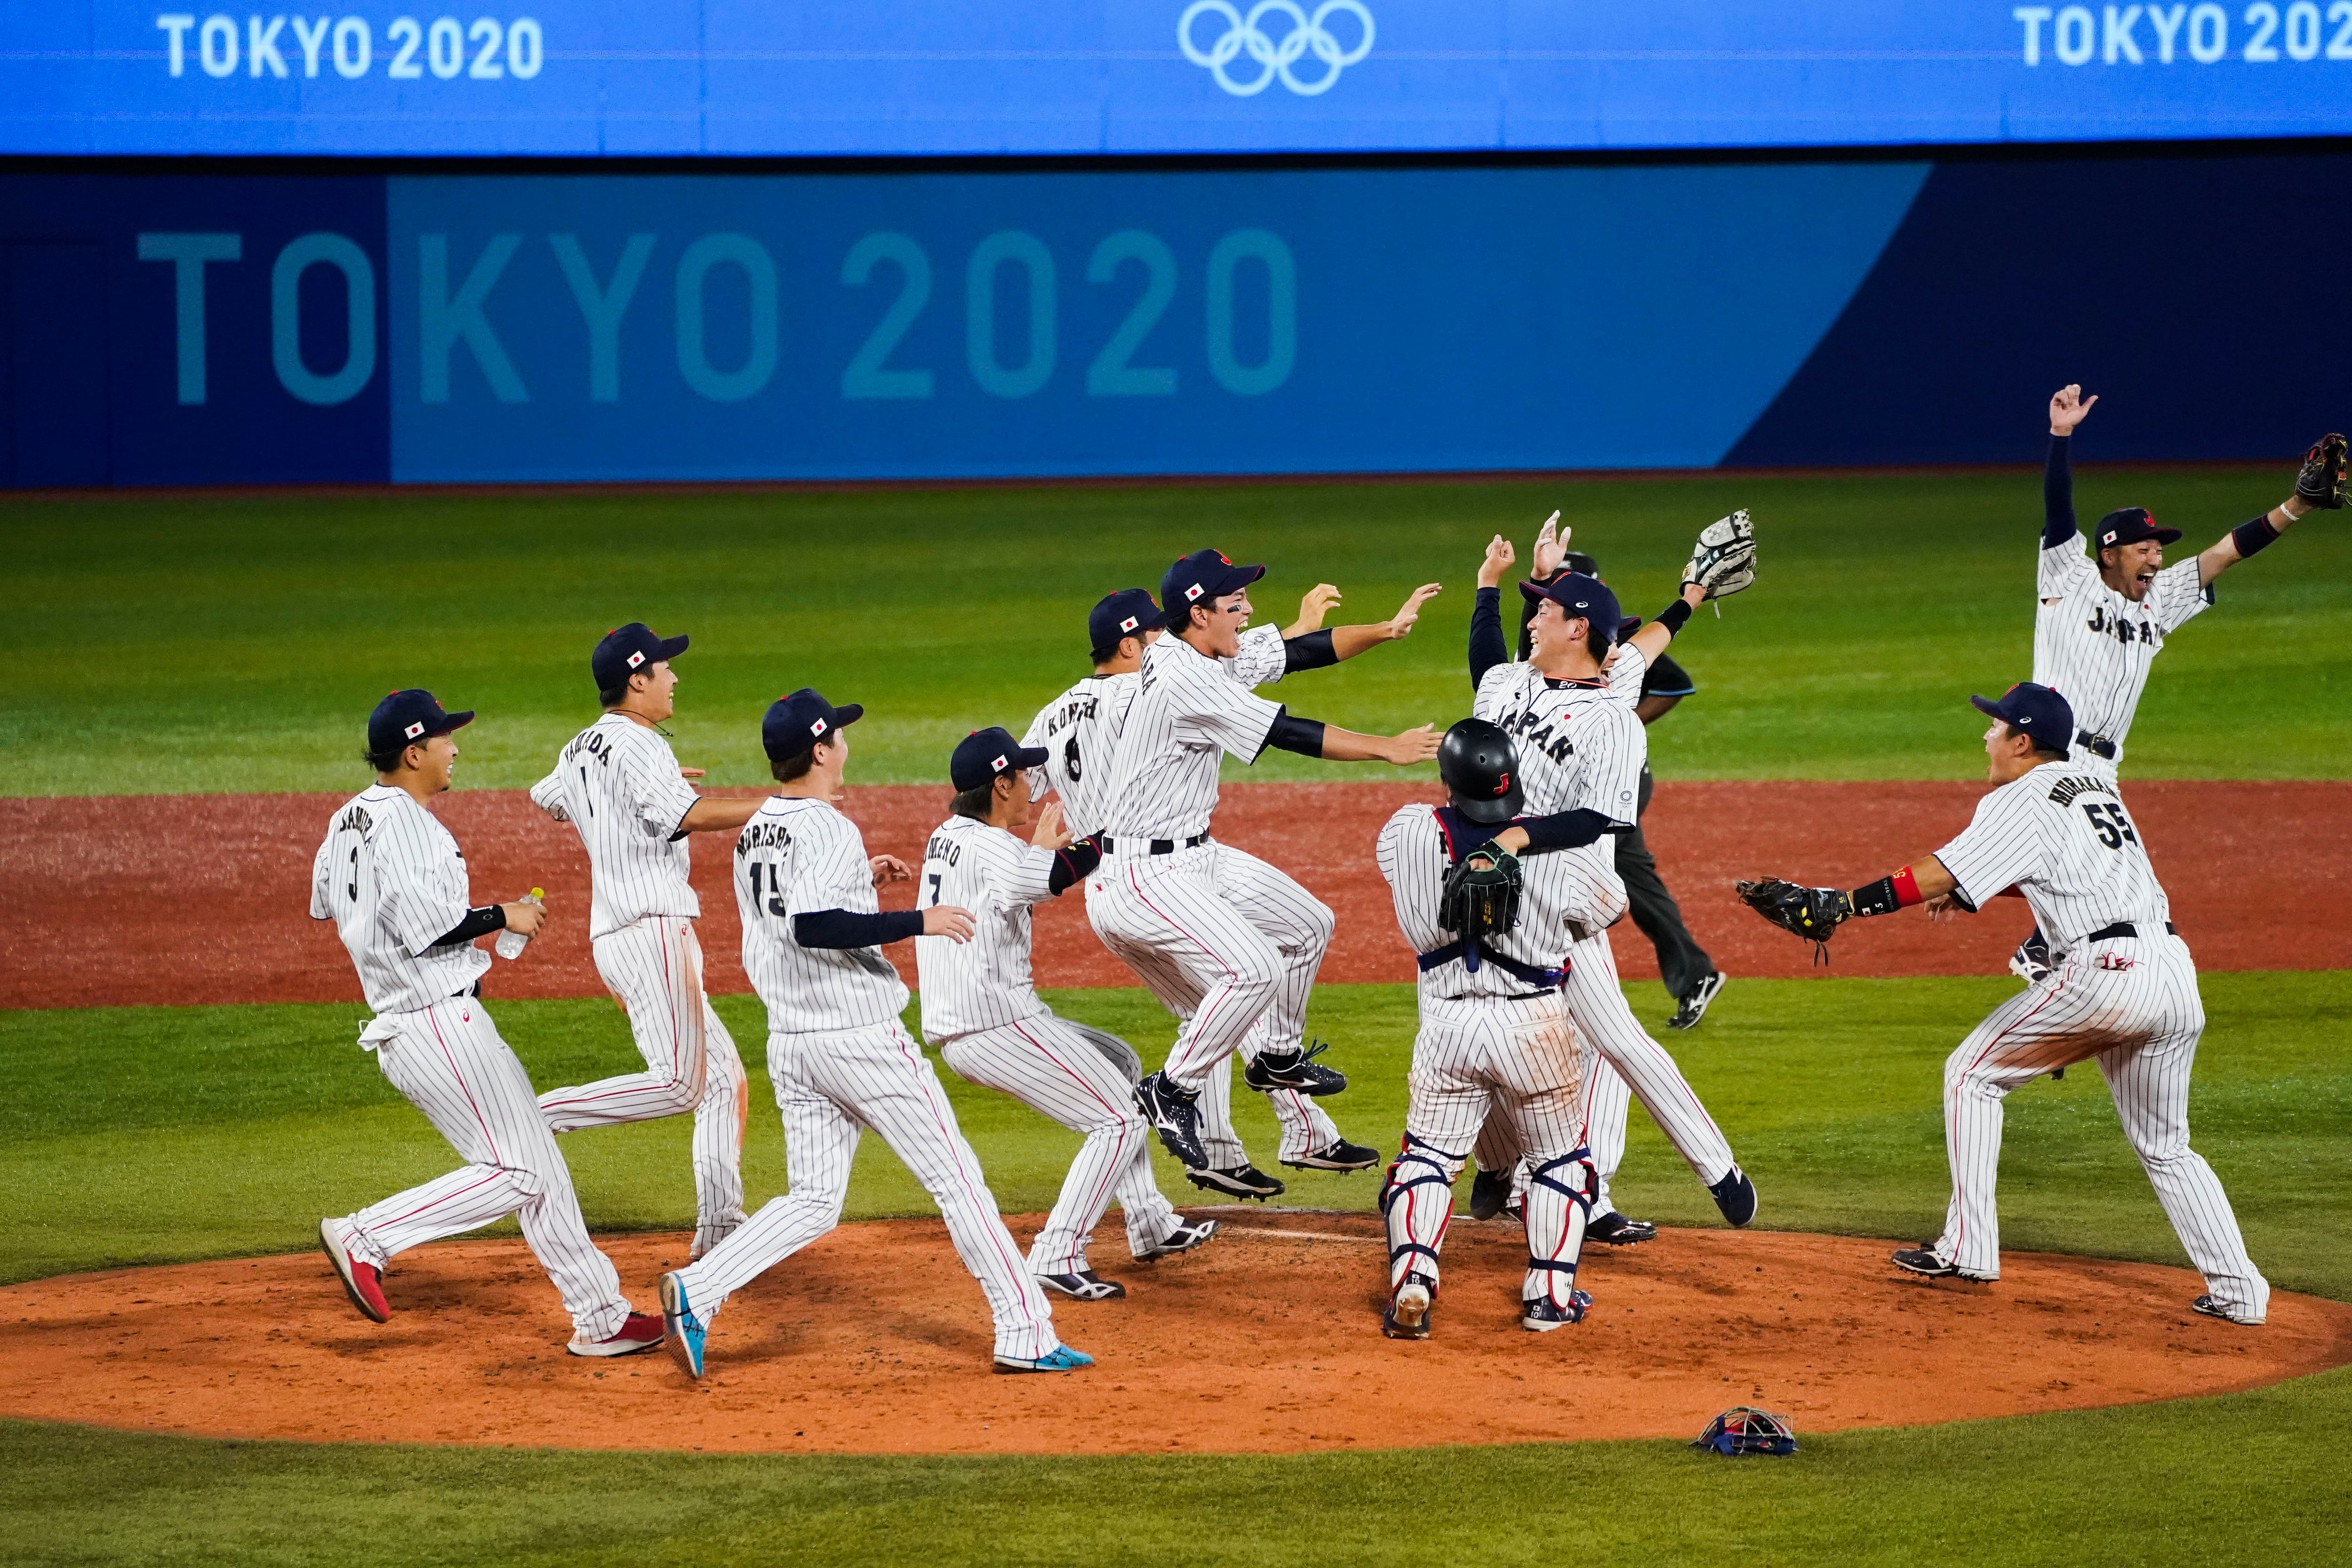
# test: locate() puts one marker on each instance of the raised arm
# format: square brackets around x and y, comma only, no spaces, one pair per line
[2319,486]
[1487,648]
[2068,408]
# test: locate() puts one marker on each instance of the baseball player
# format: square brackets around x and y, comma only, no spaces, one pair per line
[1570,708]
[2101,619]
[619,783]
[1221,938]
[1081,724]
[1496,1041]
[2121,989]
[840,1060]
[982,1009]
[392,880]
[1690,975]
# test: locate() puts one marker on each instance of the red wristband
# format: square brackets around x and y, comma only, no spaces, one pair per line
[1906,889]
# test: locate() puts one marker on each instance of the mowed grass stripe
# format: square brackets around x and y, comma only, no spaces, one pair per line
[164,1135]
[234,643]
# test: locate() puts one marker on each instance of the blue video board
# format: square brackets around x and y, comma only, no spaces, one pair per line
[929,77]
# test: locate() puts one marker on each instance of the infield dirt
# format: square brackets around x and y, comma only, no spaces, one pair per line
[1266,1341]
[203,899]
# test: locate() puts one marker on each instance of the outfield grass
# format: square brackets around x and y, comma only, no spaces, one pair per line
[154,1135]
[234,643]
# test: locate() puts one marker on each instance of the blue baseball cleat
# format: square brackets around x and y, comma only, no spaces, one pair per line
[1061,1358]
[687,1331]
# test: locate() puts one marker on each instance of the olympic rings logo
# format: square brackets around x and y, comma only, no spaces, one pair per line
[1243,36]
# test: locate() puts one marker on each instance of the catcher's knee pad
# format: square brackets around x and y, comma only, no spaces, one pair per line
[1417,1165]
[1558,1173]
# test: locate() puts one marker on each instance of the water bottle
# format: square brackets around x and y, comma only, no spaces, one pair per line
[511,942]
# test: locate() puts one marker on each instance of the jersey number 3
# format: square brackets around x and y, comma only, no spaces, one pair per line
[2114,826]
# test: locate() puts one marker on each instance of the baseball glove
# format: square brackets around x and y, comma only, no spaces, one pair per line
[1482,894]
[2321,483]
[1813,913]
[1724,560]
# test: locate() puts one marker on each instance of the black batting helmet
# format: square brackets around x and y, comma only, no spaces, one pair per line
[1481,770]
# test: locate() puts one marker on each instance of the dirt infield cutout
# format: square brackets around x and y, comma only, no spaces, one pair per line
[1267,1340]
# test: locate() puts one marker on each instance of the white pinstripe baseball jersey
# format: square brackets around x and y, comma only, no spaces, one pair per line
[2058,834]
[798,856]
[1413,859]
[2094,647]
[1187,712]
[1079,732]
[393,881]
[983,984]
[1580,749]
[1259,658]
[617,782]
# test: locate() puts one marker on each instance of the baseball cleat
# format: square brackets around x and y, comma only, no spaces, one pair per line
[1187,1235]
[1543,1314]
[1086,1284]
[1062,1358]
[1409,1308]
[1736,1196]
[1337,1155]
[1613,1229]
[1293,1069]
[2209,1307]
[1693,1008]
[1490,1194]
[685,1331]
[363,1282]
[1925,1262]
[1175,1114]
[2031,962]
[641,1331]
[1237,1181]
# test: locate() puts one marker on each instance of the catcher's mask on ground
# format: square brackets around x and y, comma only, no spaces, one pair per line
[1481,770]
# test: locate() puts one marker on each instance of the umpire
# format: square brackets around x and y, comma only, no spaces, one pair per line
[1691,976]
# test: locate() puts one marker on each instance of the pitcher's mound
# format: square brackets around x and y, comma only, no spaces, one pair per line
[1268,1339]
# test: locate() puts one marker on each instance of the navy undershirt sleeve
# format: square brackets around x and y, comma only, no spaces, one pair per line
[840,928]
[2057,495]
[1074,862]
[1291,733]
[478,923]
[1313,651]
[1487,648]
[1561,830]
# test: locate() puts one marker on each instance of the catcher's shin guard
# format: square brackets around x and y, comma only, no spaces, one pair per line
[1416,1201]
[1557,1213]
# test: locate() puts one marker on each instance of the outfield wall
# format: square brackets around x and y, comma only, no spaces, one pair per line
[300,327]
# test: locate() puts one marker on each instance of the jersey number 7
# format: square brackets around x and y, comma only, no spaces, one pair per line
[2114,826]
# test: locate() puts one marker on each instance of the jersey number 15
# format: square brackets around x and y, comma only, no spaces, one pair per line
[773,874]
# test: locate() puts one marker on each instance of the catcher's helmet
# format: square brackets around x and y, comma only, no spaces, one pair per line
[1481,770]
[1744,1429]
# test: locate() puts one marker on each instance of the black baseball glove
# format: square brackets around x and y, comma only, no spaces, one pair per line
[1813,913]
[2321,483]
[1482,894]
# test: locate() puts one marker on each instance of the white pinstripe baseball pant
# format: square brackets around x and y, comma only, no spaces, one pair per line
[2131,1002]
[451,1063]
[829,1087]
[1222,939]
[653,967]
[1475,1063]
[1047,1063]
[1623,1061]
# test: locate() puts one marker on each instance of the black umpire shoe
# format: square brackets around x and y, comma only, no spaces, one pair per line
[1693,1008]
[1237,1181]
[1613,1229]
[1337,1155]
[1490,1190]
[1175,1115]
[1736,1196]
[1409,1307]
[1294,1070]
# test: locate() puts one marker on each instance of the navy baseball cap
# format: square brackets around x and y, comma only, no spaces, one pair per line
[1200,577]
[797,722]
[2036,710]
[404,718]
[630,650]
[1130,613]
[1586,597]
[2129,526]
[982,755]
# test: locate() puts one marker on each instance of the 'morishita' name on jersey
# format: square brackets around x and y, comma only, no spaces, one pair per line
[1187,711]
[1079,731]
[983,984]
[1414,858]
[617,782]
[1581,747]
[799,856]
[2094,646]
[390,877]
[2061,837]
